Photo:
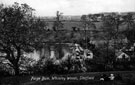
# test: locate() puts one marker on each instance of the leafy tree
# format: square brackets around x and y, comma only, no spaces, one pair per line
[110,30]
[130,34]
[130,31]
[88,25]
[27,65]
[87,22]
[128,20]
[19,32]
[58,24]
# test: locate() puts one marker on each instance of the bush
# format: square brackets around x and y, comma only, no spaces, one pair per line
[51,68]
[4,73]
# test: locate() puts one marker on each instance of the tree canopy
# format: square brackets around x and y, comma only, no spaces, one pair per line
[20,32]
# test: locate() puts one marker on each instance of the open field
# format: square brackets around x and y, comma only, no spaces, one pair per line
[79,24]
[92,78]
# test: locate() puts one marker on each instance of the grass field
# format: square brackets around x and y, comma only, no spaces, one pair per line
[92,78]
[67,25]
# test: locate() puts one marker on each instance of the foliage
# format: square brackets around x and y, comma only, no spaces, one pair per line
[18,32]
[87,22]
[130,34]
[57,25]
[128,19]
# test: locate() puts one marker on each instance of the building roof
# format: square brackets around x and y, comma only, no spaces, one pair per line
[120,54]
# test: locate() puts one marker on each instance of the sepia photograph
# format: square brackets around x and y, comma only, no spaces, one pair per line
[67,42]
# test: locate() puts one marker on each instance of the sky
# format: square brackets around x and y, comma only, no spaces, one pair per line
[76,7]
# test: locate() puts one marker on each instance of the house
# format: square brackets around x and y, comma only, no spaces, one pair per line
[56,51]
[120,55]
[61,52]
[88,54]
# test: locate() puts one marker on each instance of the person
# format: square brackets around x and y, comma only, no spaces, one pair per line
[103,77]
[111,77]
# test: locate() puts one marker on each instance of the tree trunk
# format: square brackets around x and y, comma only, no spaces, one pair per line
[16,69]
[15,62]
